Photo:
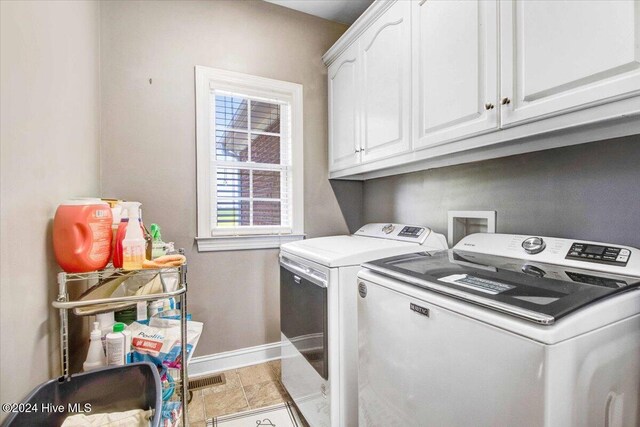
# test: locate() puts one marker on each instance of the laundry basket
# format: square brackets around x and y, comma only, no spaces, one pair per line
[110,389]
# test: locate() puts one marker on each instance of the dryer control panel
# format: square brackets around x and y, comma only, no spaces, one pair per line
[600,254]
[413,232]
[402,232]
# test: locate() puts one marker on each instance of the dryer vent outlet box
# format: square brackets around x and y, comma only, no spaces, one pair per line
[463,223]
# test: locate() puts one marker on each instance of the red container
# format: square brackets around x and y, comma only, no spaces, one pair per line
[116,257]
[82,235]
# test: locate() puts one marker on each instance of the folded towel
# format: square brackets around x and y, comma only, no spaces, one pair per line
[132,418]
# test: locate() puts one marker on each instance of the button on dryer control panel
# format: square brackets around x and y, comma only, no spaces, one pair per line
[600,254]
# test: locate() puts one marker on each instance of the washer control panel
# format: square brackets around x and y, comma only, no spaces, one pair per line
[600,254]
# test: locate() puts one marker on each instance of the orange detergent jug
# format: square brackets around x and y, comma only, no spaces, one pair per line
[82,235]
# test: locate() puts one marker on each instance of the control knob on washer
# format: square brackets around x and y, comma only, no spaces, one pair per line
[534,245]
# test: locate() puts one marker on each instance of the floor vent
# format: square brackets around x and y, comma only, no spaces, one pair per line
[208,381]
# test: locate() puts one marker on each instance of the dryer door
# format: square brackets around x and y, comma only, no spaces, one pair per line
[303,313]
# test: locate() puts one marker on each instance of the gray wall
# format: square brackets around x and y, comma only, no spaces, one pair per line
[148,138]
[589,191]
[50,135]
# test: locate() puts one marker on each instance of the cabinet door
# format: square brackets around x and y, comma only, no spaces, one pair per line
[455,70]
[385,49]
[560,56]
[343,111]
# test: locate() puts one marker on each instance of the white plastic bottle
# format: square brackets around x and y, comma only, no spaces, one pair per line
[95,355]
[133,244]
[106,320]
[116,342]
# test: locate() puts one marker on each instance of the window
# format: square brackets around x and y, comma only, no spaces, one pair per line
[249,158]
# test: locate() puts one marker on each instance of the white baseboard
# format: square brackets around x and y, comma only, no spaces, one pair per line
[204,365]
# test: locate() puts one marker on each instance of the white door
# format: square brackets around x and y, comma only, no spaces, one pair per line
[385,49]
[559,56]
[343,110]
[455,56]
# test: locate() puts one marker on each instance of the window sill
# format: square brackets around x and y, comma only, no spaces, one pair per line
[239,243]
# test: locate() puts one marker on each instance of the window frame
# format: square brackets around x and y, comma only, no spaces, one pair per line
[208,80]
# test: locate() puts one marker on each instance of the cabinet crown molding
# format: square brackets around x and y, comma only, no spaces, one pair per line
[377,8]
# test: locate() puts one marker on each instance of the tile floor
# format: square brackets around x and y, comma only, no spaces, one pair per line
[245,388]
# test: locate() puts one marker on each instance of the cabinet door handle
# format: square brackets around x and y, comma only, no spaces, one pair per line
[422,2]
[505,101]
[489,106]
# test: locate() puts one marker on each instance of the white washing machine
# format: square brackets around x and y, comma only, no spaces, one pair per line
[318,315]
[501,330]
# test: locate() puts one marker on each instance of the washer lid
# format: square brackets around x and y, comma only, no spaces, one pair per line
[535,291]
[339,251]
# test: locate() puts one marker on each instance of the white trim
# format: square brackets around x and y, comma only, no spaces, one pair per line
[236,243]
[204,365]
[356,29]
[208,78]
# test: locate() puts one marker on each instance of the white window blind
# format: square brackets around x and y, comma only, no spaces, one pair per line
[250,164]
[250,161]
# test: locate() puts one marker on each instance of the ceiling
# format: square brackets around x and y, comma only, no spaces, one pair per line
[344,11]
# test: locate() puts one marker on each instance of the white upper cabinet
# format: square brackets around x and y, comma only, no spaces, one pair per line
[385,52]
[344,120]
[455,70]
[560,56]
[430,83]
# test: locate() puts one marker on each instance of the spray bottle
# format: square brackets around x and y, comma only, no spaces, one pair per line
[133,244]
[158,244]
[95,356]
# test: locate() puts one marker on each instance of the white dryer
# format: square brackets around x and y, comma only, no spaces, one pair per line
[318,315]
[502,330]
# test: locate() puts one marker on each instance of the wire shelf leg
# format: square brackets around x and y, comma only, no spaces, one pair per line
[183,369]
[64,343]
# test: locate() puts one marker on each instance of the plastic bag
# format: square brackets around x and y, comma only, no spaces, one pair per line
[159,342]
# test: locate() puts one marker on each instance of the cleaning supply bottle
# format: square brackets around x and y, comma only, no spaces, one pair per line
[116,345]
[158,245]
[95,355]
[82,235]
[116,214]
[133,244]
[116,257]
[106,321]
